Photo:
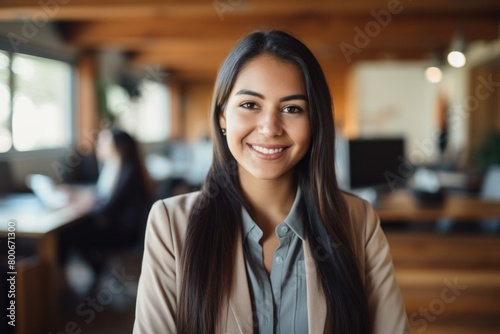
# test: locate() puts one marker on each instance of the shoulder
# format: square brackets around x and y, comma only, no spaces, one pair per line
[169,216]
[174,208]
[178,204]
[363,220]
[161,276]
[357,208]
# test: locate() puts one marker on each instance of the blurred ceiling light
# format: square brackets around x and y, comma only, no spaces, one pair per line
[456,57]
[433,74]
[433,71]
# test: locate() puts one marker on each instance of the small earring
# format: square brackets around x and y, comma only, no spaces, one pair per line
[223,131]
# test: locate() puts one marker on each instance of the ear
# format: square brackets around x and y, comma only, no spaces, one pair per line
[222,121]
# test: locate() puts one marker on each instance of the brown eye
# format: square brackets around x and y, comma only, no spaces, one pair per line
[248,105]
[292,110]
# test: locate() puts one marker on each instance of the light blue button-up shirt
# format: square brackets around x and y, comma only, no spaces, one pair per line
[279,301]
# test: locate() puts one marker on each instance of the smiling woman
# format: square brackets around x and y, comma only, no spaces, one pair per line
[267,123]
[270,244]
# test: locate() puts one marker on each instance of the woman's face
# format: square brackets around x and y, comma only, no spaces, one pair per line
[105,147]
[266,118]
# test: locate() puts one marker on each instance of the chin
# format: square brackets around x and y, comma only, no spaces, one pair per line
[266,177]
[267,174]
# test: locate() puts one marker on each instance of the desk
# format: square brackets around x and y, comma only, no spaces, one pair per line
[34,220]
[400,205]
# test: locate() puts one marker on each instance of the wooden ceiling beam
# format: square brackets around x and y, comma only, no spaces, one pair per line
[111,9]
[398,39]
[210,62]
[194,76]
[147,33]
[190,72]
[187,73]
[192,37]
[165,44]
[186,61]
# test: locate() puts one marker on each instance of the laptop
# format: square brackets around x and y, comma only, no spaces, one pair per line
[46,191]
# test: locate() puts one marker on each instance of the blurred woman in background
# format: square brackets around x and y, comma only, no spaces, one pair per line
[122,200]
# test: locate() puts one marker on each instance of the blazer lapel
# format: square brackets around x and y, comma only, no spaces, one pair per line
[239,299]
[316,303]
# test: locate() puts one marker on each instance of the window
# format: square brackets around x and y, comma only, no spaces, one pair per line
[146,117]
[35,103]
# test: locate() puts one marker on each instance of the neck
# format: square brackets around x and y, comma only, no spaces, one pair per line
[269,201]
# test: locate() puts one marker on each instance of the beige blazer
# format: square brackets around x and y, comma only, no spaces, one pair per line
[160,277]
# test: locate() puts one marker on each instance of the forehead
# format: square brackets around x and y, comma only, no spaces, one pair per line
[270,76]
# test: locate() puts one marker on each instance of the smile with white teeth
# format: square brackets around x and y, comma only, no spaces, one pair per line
[267,150]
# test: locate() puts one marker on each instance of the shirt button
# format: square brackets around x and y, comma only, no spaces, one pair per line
[284,229]
[279,260]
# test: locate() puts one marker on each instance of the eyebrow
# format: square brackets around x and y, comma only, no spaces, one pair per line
[283,99]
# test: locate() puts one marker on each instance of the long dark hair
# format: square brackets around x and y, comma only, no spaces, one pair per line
[130,155]
[126,145]
[214,223]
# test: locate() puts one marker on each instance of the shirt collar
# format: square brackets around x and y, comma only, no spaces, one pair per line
[294,217]
[293,220]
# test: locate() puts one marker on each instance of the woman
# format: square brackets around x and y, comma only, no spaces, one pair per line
[270,244]
[123,187]
[122,198]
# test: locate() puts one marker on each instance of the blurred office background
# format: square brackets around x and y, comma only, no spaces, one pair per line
[416,89]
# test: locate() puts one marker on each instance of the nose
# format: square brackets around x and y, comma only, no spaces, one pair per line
[270,124]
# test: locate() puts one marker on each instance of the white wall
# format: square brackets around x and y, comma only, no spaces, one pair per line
[395,99]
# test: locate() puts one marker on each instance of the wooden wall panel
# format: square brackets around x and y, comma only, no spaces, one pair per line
[197,98]
[87,112]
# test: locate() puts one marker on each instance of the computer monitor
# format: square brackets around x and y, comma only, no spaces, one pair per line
[375,162]
[6,181]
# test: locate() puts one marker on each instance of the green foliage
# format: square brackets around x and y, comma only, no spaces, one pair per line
[102,102]
[489,153]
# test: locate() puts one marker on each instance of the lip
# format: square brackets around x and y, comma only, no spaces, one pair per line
[273,156]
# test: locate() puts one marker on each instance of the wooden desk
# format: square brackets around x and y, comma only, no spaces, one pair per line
[34,220]
[400,205]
